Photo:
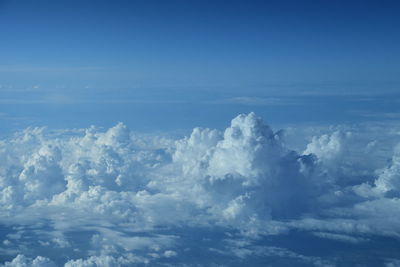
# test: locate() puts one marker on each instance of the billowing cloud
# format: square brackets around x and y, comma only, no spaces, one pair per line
[114,198]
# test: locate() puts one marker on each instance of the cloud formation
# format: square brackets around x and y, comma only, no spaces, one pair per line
[114,198]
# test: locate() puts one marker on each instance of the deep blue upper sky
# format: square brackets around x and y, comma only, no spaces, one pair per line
[69,52]
[198,43]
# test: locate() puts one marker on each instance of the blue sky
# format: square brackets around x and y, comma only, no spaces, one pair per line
[58,57]
[126,44]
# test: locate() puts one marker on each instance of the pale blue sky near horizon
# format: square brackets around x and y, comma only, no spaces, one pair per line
[161,65]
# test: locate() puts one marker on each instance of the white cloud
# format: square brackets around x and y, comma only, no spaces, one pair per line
[133,199]
[341,237]
[22,261]
[94,261]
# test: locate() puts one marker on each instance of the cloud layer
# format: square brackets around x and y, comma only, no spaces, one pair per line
[90,197]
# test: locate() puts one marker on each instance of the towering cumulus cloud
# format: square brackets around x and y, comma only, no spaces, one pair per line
[114,198]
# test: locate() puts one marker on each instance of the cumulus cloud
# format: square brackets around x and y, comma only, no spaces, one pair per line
[22,261]
[388,181]
[115,198]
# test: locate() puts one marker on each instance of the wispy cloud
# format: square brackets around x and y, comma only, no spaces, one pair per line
[376,114]
[24,69]
[257,101]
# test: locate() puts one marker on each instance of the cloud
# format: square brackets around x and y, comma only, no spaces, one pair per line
[341,237]
[392,263]
[22,261]
[257,101]
[111,198]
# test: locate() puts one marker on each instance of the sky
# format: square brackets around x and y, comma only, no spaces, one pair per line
[199,133]
[157,57]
